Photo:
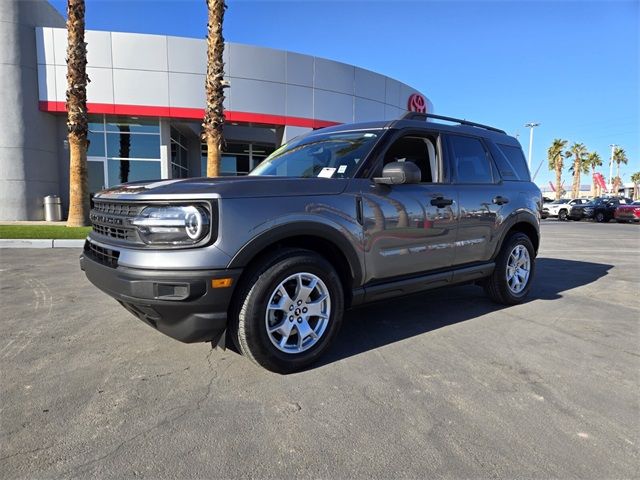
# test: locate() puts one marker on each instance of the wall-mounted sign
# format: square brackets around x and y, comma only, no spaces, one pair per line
[417,103]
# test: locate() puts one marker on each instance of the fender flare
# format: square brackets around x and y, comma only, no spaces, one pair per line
[518,217]
[282,232]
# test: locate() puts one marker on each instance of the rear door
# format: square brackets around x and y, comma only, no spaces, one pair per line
[476,180]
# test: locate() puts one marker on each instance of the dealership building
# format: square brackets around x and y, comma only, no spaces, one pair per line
[146,104]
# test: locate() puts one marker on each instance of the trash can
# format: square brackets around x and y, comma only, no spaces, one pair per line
[52,208]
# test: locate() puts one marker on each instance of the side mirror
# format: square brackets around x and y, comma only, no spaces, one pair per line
[396,173]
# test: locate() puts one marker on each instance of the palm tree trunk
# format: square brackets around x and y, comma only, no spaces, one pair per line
[214,87]
[558,181]
[592,193]
[575,189]
[77,122]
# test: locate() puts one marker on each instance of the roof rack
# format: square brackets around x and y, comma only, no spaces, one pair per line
[425,116]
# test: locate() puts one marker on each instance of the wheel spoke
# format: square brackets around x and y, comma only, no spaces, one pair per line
[304,291]
[304,330]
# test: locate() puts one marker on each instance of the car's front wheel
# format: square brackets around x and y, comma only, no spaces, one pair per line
[600,218]
[562,215]
[288,310]
[510,281]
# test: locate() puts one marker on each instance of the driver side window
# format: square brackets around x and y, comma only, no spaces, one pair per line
[418,149]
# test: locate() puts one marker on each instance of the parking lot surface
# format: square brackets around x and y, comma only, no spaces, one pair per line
[443,384]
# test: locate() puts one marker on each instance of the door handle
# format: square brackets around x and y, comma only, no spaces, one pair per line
[441,202]
[500,200]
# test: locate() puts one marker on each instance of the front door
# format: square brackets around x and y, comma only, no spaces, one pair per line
[410,229]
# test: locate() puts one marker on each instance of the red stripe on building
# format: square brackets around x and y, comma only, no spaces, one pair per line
[190,114]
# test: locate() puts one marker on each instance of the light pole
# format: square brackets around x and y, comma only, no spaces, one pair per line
[530,126]
[613,147]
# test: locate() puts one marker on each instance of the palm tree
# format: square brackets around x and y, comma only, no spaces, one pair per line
[593,160]
[635,178]
[579,152]
[555,155]
[619,156]
[77,121]
[617,183]
[214,87]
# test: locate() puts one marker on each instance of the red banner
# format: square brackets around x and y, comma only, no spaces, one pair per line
[600,181]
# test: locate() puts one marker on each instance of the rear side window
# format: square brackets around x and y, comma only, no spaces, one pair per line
[512,164]
[470,159]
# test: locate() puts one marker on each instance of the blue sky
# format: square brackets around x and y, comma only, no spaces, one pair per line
[573,66]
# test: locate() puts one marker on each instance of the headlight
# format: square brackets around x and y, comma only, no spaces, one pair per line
[172,225]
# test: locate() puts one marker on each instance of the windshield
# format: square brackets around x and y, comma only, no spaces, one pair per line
[330,155]
[562,200]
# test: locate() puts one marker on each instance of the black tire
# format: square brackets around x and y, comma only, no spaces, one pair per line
[600,218]
[562,215]
[247,324]
[496,286]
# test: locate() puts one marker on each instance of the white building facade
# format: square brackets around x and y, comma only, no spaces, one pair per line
[146,104]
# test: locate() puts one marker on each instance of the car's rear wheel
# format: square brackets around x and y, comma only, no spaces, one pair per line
[288,311]
[562,215]
[510,281]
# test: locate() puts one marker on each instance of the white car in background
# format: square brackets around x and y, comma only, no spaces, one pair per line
[560,208]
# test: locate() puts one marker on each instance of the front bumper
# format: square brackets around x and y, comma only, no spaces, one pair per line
[179,303]
[576,214]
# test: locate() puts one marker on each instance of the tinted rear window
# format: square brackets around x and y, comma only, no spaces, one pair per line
[471,160]
[512,164]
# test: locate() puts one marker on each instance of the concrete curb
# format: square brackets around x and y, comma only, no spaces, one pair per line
[40,243]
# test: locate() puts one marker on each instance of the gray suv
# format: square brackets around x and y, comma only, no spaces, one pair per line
[339,217]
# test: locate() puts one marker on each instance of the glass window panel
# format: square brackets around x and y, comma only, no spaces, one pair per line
[515,159]
[96,144]
[472,163]
[242,163]
[125,145]
[177,172]
[95,171]
[96,123]
[123,171]
[228,164]
[145,125]
[241,148]
[262,150]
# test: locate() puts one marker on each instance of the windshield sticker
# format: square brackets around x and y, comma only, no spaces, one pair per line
[326,172]
[342,168]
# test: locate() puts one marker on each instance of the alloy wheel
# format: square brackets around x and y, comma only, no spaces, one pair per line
[298,313]
[518,269]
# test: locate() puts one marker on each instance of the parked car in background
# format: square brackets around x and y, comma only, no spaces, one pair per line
[560,208]
[627,213]
[602,209]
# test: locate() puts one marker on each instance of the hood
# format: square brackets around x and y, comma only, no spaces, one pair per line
[227,187]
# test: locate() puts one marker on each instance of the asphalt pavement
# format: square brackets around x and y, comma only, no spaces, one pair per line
[444,384]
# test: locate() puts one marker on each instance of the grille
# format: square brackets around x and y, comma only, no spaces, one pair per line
[114,232]
[104,256]
[112,220]
[118,208]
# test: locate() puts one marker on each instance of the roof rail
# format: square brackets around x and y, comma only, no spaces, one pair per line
[425,116]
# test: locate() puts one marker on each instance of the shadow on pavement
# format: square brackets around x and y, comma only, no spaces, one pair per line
[380,324]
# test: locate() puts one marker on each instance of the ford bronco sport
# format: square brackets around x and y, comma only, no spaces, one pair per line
[339,217]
